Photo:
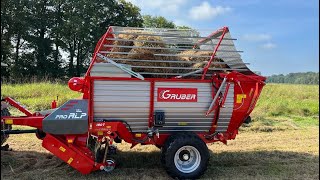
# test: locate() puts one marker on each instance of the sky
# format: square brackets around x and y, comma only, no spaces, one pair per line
[277,37]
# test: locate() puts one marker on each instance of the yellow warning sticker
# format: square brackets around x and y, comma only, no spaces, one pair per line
[100,133]
[138,135]
[8,121]
[70,160]
[62,149]
[240,97]
[182,123]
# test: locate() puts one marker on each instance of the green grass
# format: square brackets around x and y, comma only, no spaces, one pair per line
[288,100]
[292,154]
[280,106]
[286,106]
[38,96]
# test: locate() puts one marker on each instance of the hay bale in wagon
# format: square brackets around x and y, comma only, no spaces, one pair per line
[154,51]
[202,58]
[154,55]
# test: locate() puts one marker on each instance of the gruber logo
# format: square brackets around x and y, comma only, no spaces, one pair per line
[177,95]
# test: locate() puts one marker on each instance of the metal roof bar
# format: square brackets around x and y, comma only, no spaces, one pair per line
[188,37]
[160,48]
[162,67]
[168,67]
[144,28]
[164,41]
[173,61]
[170,74]
[171,55]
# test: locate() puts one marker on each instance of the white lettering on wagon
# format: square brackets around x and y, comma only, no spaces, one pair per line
[177,94]
[71,116]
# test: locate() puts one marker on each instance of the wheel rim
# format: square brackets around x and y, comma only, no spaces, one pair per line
[187,159]
[110,166]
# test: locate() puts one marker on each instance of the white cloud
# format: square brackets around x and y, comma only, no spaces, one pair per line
[205,11]
[257,37]
[269,45]
[180,22]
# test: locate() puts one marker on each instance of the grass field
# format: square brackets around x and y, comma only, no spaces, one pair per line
[282,142]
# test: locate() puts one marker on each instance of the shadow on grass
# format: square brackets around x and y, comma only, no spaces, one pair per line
[146,165]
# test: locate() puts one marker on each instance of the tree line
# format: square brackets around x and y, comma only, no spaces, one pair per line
[56,38]
[295,78]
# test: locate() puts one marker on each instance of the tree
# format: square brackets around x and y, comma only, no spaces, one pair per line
[85,22]
[41,22]
[295,78]
[46,37]
[157,22]
[6,33]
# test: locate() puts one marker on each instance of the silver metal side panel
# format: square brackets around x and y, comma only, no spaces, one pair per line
[226,111]
[129,101]
[186,116]
[123,100]
[108,70]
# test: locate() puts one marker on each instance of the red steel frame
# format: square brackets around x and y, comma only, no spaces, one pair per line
[72,148]
[151,109]
[224,31]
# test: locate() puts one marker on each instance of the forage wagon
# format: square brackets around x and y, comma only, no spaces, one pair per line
[171,88]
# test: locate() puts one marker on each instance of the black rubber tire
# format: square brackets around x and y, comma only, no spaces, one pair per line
[40,134]
[4,137]
[165,147]
[173,144]
[247,120]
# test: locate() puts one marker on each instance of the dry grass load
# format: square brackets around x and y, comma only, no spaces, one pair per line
[202,57]
[152,48]
[122,42]
[149,41]
[147,48]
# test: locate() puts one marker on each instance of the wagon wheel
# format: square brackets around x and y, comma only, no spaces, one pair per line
[185,156]
[111,165]
[4,137]
[248,120]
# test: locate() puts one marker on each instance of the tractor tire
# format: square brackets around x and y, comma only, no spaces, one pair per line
[185,156]
[4,137]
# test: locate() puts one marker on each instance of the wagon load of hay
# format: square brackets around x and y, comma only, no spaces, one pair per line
[122,45]
[202,58]
[149,54]
[151,50]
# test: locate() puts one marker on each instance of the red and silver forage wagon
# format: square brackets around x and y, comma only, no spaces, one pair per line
[177,107]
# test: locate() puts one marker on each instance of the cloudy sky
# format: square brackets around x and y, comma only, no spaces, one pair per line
[276,36]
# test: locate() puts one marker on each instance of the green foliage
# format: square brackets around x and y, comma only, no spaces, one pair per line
[55,38]
[157,22]
[295,78]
